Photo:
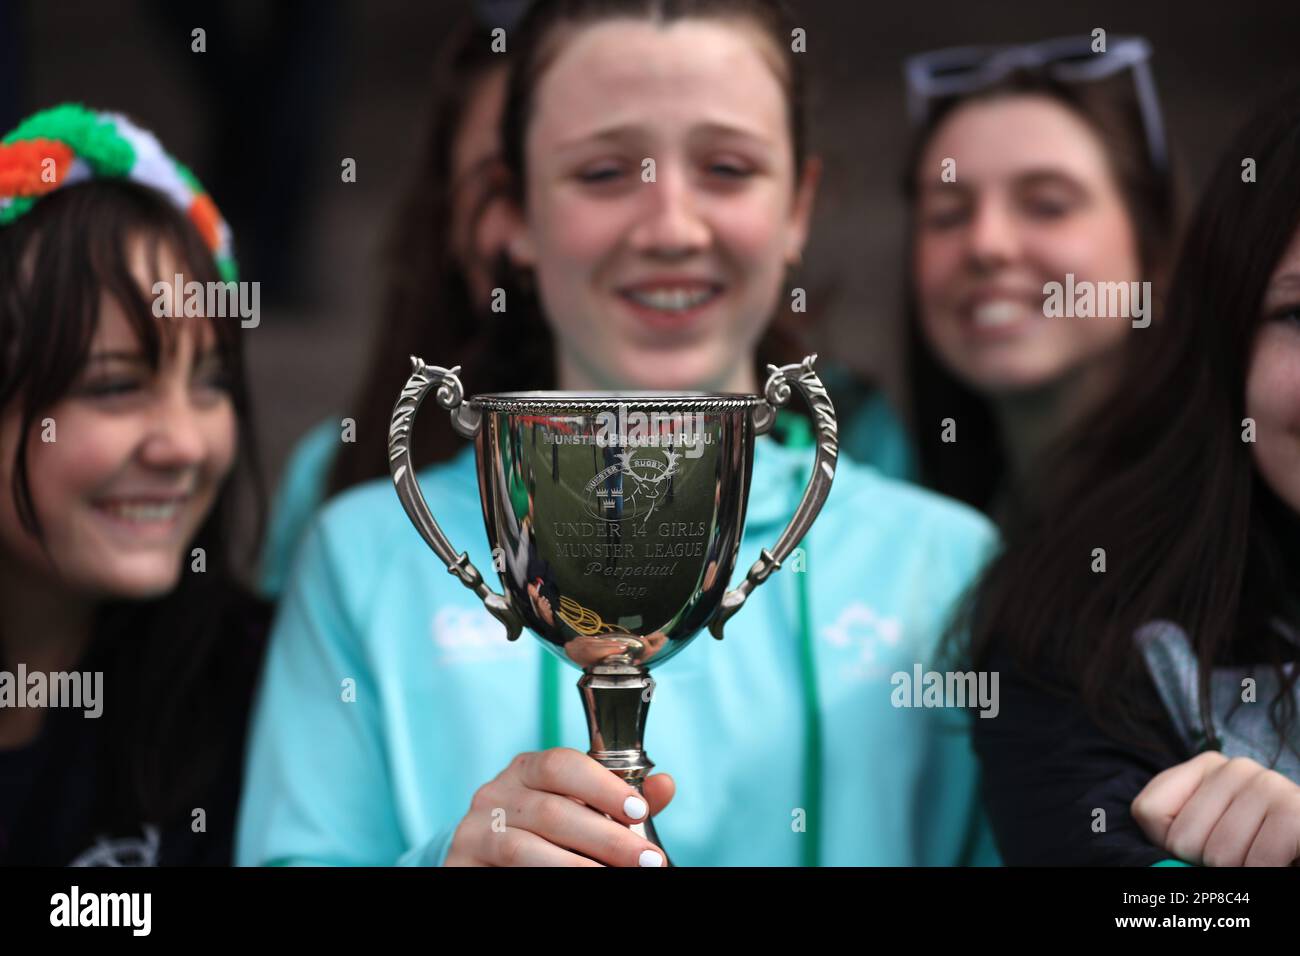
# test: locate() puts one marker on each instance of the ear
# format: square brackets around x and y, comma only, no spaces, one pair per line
[520,247]
[805,197]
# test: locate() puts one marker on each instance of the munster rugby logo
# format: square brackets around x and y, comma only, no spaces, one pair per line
[634,485]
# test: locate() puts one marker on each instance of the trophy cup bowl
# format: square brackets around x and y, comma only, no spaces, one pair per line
[615,520]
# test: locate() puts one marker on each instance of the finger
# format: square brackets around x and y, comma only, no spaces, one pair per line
[1233,835]
[1191,828]
[659,790]
[517,847]
[569,772]
[579,828]
[1155,808]
[1278,840]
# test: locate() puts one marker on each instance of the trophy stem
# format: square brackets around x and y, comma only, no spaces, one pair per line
[616,699]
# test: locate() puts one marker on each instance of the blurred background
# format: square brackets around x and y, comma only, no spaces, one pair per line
[286,90]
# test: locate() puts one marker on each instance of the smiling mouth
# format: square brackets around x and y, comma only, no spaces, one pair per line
[673,301]
[996,314]
[142,512]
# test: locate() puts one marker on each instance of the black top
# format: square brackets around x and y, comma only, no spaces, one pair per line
[1048,769]
[54,791]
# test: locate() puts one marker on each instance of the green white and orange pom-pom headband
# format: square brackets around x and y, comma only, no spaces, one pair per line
[69,143]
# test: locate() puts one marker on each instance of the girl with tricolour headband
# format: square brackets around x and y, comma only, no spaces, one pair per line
[119,435]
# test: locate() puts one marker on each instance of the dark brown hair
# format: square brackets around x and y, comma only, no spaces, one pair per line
[1159,476]
[176,666]
[427,307]
[973,469]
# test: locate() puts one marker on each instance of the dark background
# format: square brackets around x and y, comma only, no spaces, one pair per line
[316,82]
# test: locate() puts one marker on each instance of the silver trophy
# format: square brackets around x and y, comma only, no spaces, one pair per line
[614,520]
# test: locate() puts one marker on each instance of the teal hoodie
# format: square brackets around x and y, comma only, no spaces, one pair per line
[390,695]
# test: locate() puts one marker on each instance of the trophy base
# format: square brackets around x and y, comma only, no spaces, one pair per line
[616,697]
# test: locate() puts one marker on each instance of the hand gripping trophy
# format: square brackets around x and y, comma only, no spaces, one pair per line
[615,519]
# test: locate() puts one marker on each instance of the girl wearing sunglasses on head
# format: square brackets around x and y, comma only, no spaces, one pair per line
[120,433]
[1031,165]
[458,747]
[1145,616]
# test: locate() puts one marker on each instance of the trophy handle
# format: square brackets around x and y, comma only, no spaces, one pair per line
[466,421]
[776,393]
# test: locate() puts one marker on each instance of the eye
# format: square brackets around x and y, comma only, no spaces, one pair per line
[211,381]
[730,171]
[106,388]
[1288,314]
[1045,207]
[600,174]
[948,215]
[217,381]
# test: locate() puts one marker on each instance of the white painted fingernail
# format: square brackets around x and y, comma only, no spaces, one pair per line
[635,808]
[650,858]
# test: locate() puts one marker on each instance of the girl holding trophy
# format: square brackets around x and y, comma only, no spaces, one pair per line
[438,288]
[661,186]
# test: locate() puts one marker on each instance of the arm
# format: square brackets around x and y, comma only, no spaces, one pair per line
[316,787]
[1048,770]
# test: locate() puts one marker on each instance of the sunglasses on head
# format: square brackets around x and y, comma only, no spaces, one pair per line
[959,71]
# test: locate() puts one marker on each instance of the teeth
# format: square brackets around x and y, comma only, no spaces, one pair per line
[672,300]
[142,512]
[999,312]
